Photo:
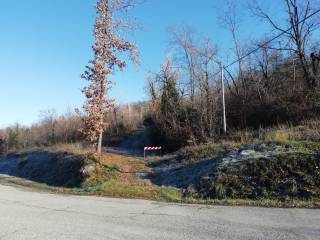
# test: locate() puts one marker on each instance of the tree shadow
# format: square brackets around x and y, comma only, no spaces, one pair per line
[169,173]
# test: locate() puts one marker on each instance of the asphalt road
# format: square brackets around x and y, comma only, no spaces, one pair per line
[32,215]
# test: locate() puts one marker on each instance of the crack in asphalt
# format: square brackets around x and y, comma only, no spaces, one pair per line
[146,212]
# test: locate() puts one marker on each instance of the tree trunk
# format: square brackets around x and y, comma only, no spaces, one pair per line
[99,143]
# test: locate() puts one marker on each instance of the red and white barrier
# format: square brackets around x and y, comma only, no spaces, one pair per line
[151,149]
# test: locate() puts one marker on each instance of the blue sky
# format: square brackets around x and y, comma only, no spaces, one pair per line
[45,44]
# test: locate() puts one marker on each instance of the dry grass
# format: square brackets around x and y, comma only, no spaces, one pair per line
[76,149]
[116,175]
[306,131]
[126,167]
[122,168]
[125,164]
[278,135]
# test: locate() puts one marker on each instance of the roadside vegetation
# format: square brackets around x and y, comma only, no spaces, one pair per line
[285,173]
[273,173]
[269,155]
[108,174]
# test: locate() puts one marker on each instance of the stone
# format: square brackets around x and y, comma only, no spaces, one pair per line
[87,170]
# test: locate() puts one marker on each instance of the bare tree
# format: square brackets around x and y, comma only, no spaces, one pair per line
[108,45]
[49,123]
[297,33]
[2,143]
[183,40]
[231,21]
[207,58]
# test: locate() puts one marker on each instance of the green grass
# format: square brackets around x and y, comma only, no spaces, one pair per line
[268,203]
[302,146]
[111,189]
[108,189]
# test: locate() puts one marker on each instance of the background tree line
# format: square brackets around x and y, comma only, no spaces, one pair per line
[277,83]
[54,129]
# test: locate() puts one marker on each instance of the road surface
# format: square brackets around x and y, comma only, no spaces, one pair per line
[27,214]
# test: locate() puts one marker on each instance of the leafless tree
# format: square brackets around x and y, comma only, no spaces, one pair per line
[206,66]
[183,41]
[49,123]
[51,129]
[298,31]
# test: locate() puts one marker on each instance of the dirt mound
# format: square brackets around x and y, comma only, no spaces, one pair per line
[264,171]
[252,171]
[52,168]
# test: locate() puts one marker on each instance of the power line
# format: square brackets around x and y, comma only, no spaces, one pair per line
[244,56]
[256,49]
[267,42]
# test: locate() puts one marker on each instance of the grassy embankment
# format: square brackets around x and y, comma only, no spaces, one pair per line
[287,179]
[112,175]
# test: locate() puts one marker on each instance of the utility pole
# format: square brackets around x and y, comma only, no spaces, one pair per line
[294,74]
[223,99]
[129,112]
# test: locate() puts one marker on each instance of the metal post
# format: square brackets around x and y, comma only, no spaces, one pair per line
[223,100]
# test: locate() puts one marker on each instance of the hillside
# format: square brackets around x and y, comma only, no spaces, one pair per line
[260,173]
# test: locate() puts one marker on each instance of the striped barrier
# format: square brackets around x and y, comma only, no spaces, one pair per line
[150,149]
